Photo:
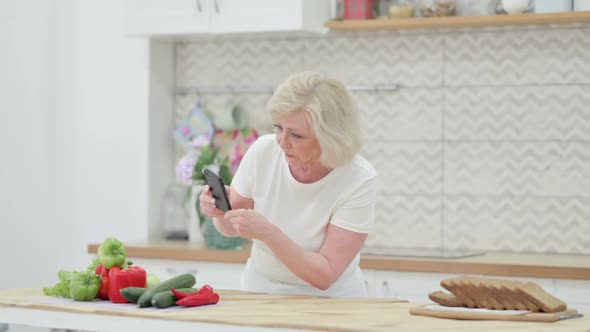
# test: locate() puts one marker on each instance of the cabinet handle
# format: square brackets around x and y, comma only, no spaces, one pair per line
[199,7]
[386,291]
[174,272]
[216,5]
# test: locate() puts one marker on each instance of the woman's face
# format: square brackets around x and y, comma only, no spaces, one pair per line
[297,140]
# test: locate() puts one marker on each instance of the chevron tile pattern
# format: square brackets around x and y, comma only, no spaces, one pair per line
[518,113]
[556,225]
[518,169]
[543,56]
[407,221]
[406,59]
[237,63]
[412,168]
[407,114]
[486,145]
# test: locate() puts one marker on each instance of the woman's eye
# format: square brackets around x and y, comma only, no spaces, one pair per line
[277,127]
[297,136]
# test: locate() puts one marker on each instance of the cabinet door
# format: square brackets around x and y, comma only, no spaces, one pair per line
[162,17]
[217,275]
[576,293]
[411,286]
[268,15]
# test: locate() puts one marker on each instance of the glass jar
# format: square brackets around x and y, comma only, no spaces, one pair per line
[476,7]
[515,6]
[434,8]
[382,8]
[402,8]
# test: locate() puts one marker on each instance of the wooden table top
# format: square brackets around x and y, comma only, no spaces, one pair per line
[284,311]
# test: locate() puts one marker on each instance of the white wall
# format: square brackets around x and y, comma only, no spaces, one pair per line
[74,129]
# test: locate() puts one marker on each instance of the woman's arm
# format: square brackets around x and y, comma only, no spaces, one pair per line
[319,269]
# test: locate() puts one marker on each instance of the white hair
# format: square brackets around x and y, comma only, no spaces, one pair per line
[330,110]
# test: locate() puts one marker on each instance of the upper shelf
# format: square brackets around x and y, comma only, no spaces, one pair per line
[447,22]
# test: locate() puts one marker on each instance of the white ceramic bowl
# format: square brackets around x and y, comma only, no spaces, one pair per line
[515,6]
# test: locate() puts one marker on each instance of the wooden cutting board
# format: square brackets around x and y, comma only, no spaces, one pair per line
[479,314]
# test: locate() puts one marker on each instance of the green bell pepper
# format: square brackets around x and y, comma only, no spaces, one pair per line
[84,286]
[112,252]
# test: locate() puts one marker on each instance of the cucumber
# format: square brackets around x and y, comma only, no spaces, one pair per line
[167,299]
[132,294]
[180,281]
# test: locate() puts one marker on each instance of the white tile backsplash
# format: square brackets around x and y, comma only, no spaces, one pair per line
[486,145]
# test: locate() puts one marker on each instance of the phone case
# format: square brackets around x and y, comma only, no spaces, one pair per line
[218,190]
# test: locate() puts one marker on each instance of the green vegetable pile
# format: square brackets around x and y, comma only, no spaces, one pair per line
[76,285]
[91,283]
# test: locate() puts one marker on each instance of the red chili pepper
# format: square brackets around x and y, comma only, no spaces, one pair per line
[196,300]
[133,276]
[206,289]
[103,291]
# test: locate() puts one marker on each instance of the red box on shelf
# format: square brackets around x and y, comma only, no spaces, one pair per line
[358,9]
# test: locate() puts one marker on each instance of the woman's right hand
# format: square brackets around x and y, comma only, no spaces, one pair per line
[207,203]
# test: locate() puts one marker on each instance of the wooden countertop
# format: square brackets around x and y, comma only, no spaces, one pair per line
[238,311]
[493,263]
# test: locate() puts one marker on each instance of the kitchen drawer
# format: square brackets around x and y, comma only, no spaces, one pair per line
[576,293]
[218,275]
[411,286]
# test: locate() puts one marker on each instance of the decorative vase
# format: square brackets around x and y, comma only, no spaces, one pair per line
[195,231]
[216,240]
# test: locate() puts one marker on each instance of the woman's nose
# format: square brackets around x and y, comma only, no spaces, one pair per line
[283,140]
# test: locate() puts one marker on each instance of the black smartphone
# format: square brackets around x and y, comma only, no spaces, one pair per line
[218,190]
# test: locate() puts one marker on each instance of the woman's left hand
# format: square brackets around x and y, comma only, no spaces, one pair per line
[250,224]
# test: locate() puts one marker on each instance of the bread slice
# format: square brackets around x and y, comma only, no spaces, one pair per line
[479,295]
[496,294]
[456,286]
[494,302]
[445,299]
[511,288]
[539,297]
[510,300]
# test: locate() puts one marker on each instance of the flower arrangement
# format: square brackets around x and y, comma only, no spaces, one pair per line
[205,155]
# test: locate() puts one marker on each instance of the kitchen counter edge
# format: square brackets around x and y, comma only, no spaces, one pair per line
[529,265]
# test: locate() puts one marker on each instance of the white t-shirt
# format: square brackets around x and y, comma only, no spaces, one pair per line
[345,198]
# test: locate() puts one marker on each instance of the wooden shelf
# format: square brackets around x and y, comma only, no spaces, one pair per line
[448,22]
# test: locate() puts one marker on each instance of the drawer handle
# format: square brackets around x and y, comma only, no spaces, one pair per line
[174,272]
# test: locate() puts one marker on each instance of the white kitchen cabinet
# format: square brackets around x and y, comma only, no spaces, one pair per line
[576,293]
[411,286]
[415,286]
[184,17]
[370,282]
[218,275]
[166,17]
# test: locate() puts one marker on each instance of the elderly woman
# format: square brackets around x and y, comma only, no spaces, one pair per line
[303,195]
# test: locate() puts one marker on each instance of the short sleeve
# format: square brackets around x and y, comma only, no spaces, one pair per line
[357,212]
[243,180]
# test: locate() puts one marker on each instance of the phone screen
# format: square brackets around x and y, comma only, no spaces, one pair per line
[218,190]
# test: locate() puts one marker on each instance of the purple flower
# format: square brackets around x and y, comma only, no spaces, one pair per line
[184,169]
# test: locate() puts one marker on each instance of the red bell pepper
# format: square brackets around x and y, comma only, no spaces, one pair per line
[206,289]
[195,300]
[131,276]
[103,291]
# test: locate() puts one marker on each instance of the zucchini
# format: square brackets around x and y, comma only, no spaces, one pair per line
[167,299]
[132,294]
[180,281]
